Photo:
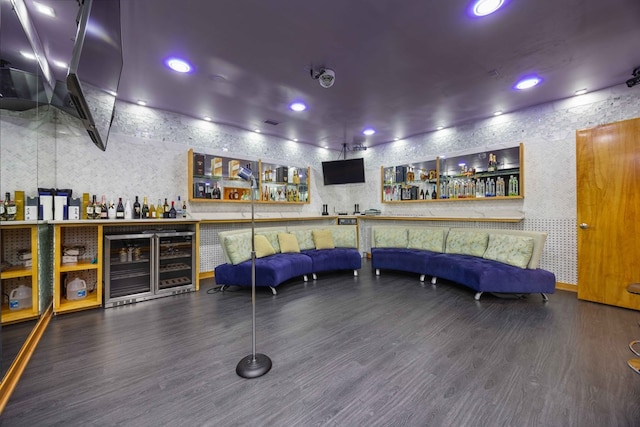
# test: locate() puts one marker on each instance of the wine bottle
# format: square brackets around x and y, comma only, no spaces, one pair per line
[137,213]
[120,209]
[90,209]
[216,194]
[104,214]
[172,211]
[128,211]
[2,215]
[97,208]
[144,213]
[111,210]
[9,208]
[184,209]
[179,209]
[166,209]
[159,210]
[152,211]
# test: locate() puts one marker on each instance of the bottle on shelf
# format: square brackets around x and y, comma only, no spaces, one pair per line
[144,212]
[152,211]
[184,209]
[86,200]
[216,193]
[137,210]
[89,209]
[128,210]
[120,209]
[2,210]
[111,210]
[97,208]
[9,208]
[172,210]
[104,212]
[513,186]
[179,208]
[165,212]
[159,210]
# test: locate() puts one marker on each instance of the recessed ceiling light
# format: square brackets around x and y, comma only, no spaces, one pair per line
[143,103]
[440,128]
[528,82]
[326,147]
[295,139]
[497,113]
[486,7]
[179,65]
[28,55]
[298,106]
[112,93]
[396,138]
[45,10]
[581,92]
[207,118]
[369,131]
[256,130]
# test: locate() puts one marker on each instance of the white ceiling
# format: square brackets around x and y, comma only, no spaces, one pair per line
[403,67]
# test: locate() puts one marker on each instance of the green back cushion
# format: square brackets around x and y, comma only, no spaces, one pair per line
[512,250]
[344,237]
[427,239]
[390,237]
[272,237]
[304,238]
[263,246]
[238,247]
[467,242]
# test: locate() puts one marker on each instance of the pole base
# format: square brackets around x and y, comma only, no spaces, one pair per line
[249,367]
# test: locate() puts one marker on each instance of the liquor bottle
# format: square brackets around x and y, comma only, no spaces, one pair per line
[172,211]
[216,194]
[128,211]
[2,215]
[184,209]
[86,200]
[120,209]
[104,214]
[111,210]
[89,210]
[179,209]
[97,208]
[9,208]
[144,213]
[137,212]
[159,210]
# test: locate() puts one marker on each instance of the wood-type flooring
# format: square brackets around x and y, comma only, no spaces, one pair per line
[346,351]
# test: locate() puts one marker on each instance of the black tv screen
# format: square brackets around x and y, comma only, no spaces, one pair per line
[95,67]
[349,171]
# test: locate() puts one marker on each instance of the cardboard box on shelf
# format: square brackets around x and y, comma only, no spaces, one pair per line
[216,166]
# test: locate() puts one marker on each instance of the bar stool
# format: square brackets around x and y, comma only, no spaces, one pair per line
[634,288]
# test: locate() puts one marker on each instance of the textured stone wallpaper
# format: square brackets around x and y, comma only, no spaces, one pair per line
[147,155]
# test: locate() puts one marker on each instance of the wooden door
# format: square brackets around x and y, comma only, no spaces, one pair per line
[608,182]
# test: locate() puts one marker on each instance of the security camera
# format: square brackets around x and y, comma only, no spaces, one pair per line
[325,76]
[636,78]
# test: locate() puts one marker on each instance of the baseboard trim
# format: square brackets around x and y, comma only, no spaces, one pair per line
[566,287]
[18,366]
[207,274]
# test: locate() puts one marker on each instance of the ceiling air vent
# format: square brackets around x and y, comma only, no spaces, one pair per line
[271,122]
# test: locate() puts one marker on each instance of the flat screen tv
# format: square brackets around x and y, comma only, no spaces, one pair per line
[349,171]
[96,66]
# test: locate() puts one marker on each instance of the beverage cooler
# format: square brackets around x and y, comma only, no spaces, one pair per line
[147,265]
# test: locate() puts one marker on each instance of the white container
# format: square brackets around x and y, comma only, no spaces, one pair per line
[20,298]
[76,289]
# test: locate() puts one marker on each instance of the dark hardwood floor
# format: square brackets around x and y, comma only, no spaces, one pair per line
[382,351]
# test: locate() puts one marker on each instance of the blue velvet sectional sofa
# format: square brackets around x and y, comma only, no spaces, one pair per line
[485,260]
[296,251]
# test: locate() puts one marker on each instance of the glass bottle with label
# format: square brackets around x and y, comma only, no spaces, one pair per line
[137,209]
[159,210]
[144,212]
[172,211]
[90,209]
[179,208]
[120,209]
[9,208]
[104,214]
[166,209]
[97,208]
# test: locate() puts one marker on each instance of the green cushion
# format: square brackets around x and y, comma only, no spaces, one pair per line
[345,237]
[390,237]
[427,239]
[467,242]
[304,238]
[238,247]
[512,250]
